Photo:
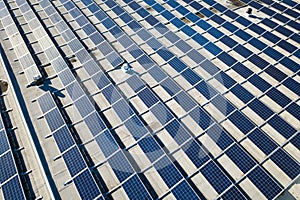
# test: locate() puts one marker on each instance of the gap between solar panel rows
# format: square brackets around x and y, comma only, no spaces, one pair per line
[227,103]
[28,65]
[121,115]
[10,182]
[68,79]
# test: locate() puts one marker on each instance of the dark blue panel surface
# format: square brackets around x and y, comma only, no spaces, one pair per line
[195,153]
[215,177]
[241,122]
[177,132]
[135,190]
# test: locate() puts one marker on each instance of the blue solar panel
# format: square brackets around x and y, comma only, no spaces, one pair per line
[233,193]
[183,46]
[151,148]
[278,97]
[228,41]
[135,83]
[240,158]
[229,26]
[135,127]
[261,109]
[66,77]
[54,119]
[282,126]
[286,163]
[184,191]
[210,67]
[86,186]
[227,59]
[212,48]
[177,132]
[13,189]
[185,101]
[222,104]
[63,138]
[157,74]
[243,51]
[264,183]
[46,103]
[257,44]
[294,109]
[260,83]
[139,191]
[170,87]
[161,113]
[262,141]
[195,153]
[201,117]
[206,90]
[74,161]
[242,93]
[120,166]
[94,123]
[224,79]
[241,122]
[107,143]
[111,94]
[4,145]
[215,177]
[275,73]
[167,171]
[273,53]
[195,56]
[148,97]
[7,167]
[271,37]
[292,85]
[191,76]
[122,109]
[219,136]
[84,106]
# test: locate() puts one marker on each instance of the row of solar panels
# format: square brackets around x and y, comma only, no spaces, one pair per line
[27,63]
[10,183]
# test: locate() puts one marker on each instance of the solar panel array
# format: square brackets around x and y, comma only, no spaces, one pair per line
[10,183]
[213,134]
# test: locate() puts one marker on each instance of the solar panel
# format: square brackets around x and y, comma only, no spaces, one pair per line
[4,145]
[264,183]
[122,110]
[74,161]
[240,158]
[259,108]
[107,143]
[184,191]
[201,117]
[241,122]
[54,119]
[135,127]
[46,102]
[86,186]
[167,171]
[94,123]
[161,113]
[151,148]
[219,136]
[13,189]
[148,97]
[215,177]
[7,167]
[195,153]
[262,141]
[177,132]
[139,191]
[185,101]
[120,166]
[63,138]
[233,193]
[285,129]
[84,106]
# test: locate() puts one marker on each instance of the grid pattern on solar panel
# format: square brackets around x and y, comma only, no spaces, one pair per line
[139,192]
